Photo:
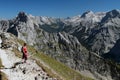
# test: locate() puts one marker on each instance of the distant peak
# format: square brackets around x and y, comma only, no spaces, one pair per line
[111,14]
[87,13]
[22,13]
[22,16]
[115,10]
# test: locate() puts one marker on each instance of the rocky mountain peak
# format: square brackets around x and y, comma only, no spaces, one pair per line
[114,13]
[111,14]
[87,14]
[22,16]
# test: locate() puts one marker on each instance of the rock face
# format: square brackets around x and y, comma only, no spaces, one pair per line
[78,42]
[4,25]
[114,53]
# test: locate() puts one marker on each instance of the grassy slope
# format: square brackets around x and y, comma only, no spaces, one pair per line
[66,72]
[62,71]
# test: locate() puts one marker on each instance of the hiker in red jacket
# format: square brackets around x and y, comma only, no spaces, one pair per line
[25,53]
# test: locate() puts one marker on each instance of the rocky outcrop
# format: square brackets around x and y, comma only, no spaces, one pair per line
[4,25]
[22,17]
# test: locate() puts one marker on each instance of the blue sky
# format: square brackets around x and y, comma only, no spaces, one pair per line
[55,8]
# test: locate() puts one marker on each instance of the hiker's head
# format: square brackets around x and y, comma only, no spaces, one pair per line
[24,44]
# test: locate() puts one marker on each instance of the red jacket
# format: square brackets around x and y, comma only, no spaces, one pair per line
[25,50]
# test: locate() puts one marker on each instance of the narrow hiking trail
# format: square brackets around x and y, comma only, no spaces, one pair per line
[22,71]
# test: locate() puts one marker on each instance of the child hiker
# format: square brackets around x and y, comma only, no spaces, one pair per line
[25,53]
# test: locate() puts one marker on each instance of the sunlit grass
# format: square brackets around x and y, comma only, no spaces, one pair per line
[64,71]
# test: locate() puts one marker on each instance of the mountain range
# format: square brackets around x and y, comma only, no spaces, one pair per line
[88,43]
